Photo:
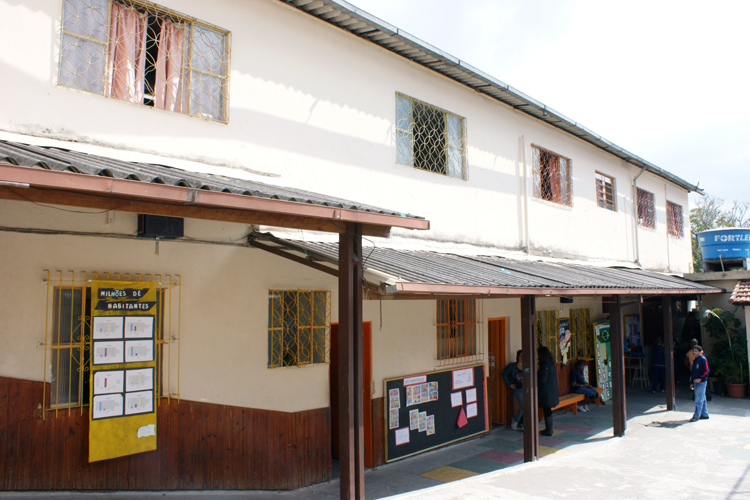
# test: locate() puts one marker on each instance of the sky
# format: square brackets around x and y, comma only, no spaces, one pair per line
[669,81]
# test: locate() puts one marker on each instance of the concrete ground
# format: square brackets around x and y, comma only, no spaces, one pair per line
[662,456]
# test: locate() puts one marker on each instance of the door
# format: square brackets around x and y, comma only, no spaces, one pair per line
[499,394]
[333,379]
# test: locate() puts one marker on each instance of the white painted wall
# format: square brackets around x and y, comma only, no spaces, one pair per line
[315,106]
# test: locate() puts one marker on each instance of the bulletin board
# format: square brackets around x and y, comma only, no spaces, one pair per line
[430,410]
[122,416]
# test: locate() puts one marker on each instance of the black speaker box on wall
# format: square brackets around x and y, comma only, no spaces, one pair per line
[159,226]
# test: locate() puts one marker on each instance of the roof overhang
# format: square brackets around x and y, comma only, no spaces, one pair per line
[400,274]
[39,185]
[364,25]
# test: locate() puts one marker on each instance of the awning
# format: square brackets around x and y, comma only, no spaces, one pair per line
[44,174]
[398,273]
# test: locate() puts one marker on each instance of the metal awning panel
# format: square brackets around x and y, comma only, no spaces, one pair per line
[436,273]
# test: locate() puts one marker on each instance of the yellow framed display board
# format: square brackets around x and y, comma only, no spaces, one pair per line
[122,401]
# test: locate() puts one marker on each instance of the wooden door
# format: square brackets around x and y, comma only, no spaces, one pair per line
[500,402]
[333,379]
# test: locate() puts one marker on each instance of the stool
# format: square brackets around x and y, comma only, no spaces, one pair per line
[640,375]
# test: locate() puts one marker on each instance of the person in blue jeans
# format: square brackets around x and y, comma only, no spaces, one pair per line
[513,378]
[698,382]
[580,386]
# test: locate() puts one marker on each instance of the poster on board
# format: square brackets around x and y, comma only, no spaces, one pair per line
[431,410]
[122,417]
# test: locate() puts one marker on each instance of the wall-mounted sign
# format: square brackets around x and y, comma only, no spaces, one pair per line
[123,366]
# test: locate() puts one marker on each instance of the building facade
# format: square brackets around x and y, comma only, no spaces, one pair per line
[267,92]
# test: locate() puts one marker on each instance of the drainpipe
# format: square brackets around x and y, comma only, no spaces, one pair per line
[525,198]
[635,218]
[669,259]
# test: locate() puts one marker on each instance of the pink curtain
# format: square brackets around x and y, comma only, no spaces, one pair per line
[127,53]
[170,92]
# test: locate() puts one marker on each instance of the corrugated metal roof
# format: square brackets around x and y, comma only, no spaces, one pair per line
[53,158]
[434,268]
[741,294]
[348,17]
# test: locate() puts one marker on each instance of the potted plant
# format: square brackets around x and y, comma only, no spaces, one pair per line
[729,351]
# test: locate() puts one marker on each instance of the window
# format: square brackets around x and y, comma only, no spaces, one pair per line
[646,216]
[551,176]
[144,54]
[674,219]
[456,328]
[69,357]
[430,138]
[546,332]
[69,336]
[299,323]
[605,191]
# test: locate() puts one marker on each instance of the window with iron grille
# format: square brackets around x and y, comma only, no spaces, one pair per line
[552,174]
[605,191]
[69,335]
[456,328]
[142,53]
[546,332]
[299,324]
[674,219]
[430,138]
[646,213]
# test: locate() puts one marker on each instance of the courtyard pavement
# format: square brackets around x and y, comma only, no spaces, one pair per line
[661,456]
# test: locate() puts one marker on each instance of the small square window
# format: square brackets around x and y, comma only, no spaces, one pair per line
[299,323]
[646,213]
[456,328]
[430,138]
[552,174]
[674,219]
[605,191]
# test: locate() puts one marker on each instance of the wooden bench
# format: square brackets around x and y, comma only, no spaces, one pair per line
[569,400]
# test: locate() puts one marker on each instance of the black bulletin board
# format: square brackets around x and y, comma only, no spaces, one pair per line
[438,386]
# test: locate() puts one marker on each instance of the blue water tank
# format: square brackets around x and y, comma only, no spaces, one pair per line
[727,243]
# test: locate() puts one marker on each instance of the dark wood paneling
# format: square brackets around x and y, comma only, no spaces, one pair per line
[200,446]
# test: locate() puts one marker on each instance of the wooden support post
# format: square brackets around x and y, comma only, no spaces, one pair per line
[616,339]
[669,374]
[530,408]
[351,413]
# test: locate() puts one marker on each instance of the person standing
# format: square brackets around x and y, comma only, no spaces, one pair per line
[549,394]
[698,382]
[513,378]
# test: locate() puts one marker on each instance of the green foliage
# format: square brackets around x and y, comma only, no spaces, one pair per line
[708,213]
[728,357]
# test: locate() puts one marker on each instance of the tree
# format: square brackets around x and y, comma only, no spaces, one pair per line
[708,213]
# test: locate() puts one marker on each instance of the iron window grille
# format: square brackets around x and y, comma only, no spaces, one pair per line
[299,325]
[68,338]
[646,212]
[552,176]
[430,138]
[458,331]
[546,332]
[143,53]
[605,191]
[674,219]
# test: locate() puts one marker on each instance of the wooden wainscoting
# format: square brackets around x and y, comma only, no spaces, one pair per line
[200,446]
